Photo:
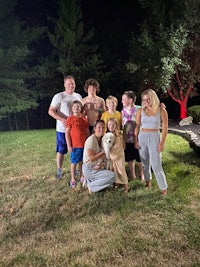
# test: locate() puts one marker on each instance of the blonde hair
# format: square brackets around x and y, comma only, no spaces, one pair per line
[155,102]
[117,131]
[111,98]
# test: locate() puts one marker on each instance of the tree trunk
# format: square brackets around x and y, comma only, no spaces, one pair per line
[27,121]
[16,124]
[183,110]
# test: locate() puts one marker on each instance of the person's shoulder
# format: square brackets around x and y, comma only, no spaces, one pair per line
[83,118]
[77,95]
[105,113]
[70,118]
[84,100]
[163,110]
[139,110]
[100,98]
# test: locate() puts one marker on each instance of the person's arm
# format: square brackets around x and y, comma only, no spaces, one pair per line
[68,139]
[53,112]
[137,127]
[92,155]
[103,105]
[164,120]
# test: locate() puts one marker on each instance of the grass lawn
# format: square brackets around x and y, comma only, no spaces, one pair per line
[44,223]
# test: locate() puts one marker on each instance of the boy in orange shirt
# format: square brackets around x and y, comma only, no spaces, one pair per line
[76,133]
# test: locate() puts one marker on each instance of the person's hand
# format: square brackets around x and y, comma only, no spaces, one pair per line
[63,120]
[162,105]
[160,147]
[97,167]
[69,149]
[136,145]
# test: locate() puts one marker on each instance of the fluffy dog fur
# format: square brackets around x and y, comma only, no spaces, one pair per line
[107,142]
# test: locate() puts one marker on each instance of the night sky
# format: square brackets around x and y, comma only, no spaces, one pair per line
[112,22]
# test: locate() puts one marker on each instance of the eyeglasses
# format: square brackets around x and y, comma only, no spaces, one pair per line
[146,99]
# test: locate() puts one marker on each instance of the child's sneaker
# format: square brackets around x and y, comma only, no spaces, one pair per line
[72,184]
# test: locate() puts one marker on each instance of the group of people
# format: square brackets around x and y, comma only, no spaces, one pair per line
[82,122]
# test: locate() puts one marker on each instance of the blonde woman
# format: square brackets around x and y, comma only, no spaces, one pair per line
[149,118]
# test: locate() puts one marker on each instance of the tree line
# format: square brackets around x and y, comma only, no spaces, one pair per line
[164,54]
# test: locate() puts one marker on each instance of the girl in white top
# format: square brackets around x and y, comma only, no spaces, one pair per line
[148,140]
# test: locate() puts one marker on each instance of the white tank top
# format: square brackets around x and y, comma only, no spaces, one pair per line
[150,122]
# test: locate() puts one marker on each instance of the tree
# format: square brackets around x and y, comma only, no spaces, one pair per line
[73,50]
[15,69]
[160,56]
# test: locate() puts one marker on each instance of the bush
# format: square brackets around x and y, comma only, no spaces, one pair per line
[194,111]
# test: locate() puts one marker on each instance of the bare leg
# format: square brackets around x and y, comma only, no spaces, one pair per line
[73,169]
[80,169]
[59,160]
[131,165]
[141,170]
[59,163]
[126,188]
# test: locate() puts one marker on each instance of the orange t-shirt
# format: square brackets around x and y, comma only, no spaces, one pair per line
[78,127]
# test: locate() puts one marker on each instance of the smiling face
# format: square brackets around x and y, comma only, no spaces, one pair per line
[112,125]
[76,108]
[126,101]
[146,101]
[92,90]
[69,85]
[99,128]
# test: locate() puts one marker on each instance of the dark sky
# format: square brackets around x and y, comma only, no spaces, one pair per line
[113,22]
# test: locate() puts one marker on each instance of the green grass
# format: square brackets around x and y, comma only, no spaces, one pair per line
[44,223]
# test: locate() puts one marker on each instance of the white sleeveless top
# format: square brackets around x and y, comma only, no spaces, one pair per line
[150,122]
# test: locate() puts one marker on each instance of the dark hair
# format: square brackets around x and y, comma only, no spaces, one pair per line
[79,103]
[92,82]
[130,94]
[99,121]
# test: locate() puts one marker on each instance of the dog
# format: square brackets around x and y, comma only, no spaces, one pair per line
[108,140]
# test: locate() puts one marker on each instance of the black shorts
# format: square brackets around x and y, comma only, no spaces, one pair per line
[131,153]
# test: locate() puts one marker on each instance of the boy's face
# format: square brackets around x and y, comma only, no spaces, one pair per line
[76,108]
[126,101]
[92,90]
[111,104]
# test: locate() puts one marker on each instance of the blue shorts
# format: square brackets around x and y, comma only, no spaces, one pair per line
[76,155]
[131,153]
[61,145]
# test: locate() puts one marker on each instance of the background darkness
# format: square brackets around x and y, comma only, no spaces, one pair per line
[113,24]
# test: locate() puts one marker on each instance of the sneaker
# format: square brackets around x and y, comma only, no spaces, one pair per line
[72,184]
[59,176]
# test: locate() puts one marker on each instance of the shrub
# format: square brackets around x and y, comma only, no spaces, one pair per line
[194,111]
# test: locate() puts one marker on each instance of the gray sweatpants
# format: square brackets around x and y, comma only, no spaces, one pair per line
[151,158]
[98,180]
